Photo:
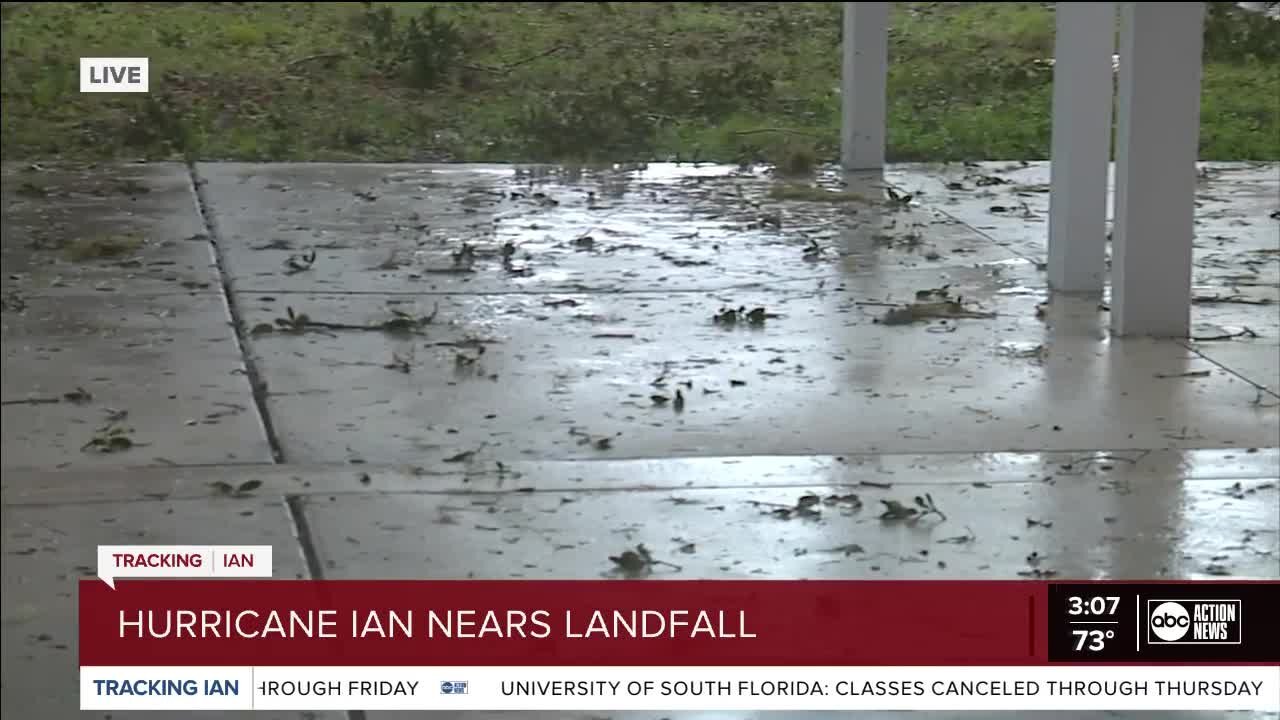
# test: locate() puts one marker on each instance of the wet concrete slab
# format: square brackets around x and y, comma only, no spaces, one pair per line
[163,370]
[599,380]
[398,229]
[1237,243]
[1112,530]
[575,345]
[1256,363]
[98,230]
[48,549]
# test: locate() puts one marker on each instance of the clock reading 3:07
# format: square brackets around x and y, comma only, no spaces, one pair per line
[1096,605]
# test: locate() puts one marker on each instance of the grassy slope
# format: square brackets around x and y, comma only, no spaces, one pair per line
[693,81]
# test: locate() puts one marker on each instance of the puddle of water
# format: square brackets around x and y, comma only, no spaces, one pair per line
[1012,262]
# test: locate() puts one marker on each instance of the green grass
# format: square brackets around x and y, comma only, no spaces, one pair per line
[585,82]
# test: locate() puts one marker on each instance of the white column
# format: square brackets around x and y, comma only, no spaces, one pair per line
[865,43]
[1083,89]
[1157,143]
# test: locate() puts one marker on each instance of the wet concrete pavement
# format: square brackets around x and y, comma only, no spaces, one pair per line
[534,369]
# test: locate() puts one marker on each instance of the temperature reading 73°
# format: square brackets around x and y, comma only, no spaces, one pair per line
[1092,640]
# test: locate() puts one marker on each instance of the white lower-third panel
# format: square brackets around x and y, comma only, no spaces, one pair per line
[683,688]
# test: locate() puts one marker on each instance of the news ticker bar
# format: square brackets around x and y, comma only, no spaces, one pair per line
[1078,688]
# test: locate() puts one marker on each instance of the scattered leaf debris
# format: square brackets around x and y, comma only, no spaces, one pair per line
[845,550]
[244,489]
[1190,374]
[295,264]
[730,317]
[1229,300]
[989,180]
[809,506]
[400,322]
[277,244]
[638,562]
[924,506]
[79,396]
[1216,334]
[923,311]
[965,539]
[566,302]
[110,439]
[464,456]
[898,199]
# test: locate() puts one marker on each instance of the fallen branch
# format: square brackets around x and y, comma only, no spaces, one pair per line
[294,64]
[1229,299]
[785,131]
[507,68]
[295,323]
[1246,332]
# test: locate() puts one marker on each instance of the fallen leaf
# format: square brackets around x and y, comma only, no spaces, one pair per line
[79,396]
[248,486]
[630,562]
[895,510]
[847,550]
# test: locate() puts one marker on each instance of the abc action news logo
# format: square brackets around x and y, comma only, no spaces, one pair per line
[1194,622]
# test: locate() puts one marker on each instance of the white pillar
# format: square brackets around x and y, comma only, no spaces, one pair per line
[1083,89]
[1157,143]
[865,43]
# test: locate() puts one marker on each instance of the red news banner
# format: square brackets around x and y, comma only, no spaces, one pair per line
[665,623]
